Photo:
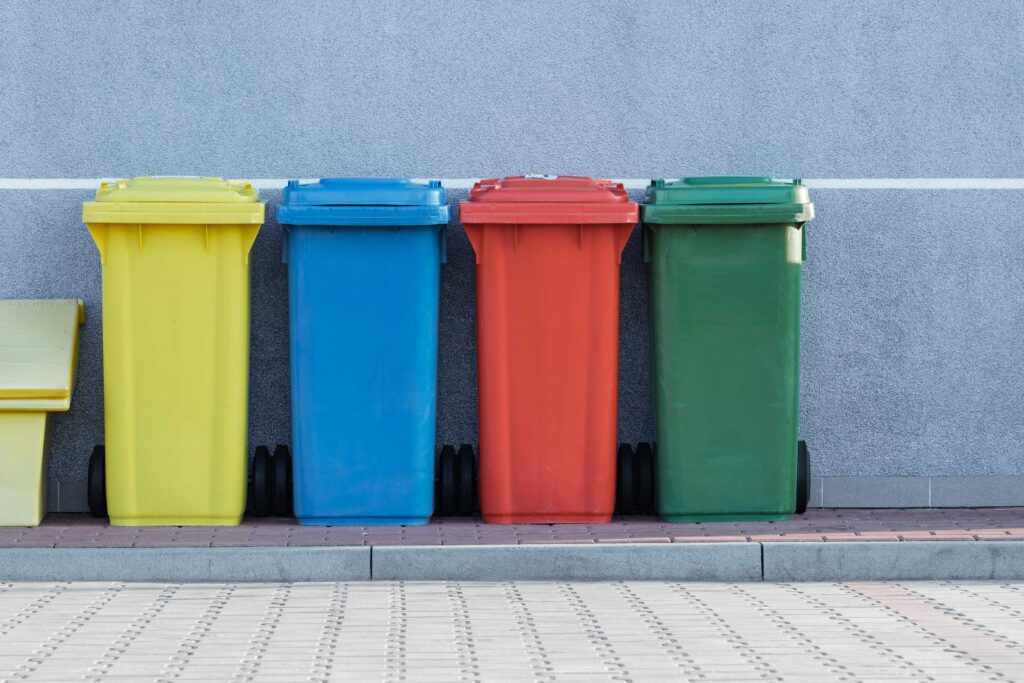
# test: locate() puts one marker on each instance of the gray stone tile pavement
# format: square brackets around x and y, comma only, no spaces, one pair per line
[510,631]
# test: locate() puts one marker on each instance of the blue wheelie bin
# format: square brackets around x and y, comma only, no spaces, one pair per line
[363,261]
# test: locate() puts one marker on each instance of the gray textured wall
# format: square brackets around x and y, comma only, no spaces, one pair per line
[821,89]
[913,321]
[913,316]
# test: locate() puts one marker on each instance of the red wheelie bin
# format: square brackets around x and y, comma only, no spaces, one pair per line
[548,251]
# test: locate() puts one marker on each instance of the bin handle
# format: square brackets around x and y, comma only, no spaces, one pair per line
[444,244]
[99,237]
[249,234]
[284,244]
[622,235]
[803,241]
[475,235]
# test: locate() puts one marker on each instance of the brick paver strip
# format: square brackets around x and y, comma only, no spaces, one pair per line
[828,525]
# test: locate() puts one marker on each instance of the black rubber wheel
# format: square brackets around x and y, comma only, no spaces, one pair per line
[624,500]
[97,486]
[467,480]
[437,483]
[643,478]
[448,500]
[475,508]
[803,477]
[281,481]
[260,482]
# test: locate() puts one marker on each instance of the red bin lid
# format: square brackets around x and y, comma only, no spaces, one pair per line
[548,199]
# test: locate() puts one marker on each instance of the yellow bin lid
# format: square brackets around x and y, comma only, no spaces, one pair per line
[147,199]
[38,352]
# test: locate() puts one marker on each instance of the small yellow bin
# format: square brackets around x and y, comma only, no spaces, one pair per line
[175,255]
[38,355]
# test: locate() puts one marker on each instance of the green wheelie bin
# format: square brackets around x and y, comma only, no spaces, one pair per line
[726,255]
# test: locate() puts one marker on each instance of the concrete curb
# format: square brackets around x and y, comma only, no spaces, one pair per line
[186,565]
[634,561]
[846,561]
[894,561]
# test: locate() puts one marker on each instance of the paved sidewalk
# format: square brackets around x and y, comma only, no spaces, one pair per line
[627,631]
[818,525]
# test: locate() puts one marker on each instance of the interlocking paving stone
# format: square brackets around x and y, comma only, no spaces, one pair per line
[943,631]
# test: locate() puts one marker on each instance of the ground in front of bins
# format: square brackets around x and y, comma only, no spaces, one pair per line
[563,631]
[817,525]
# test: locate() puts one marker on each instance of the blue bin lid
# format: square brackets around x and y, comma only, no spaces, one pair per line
[363,201]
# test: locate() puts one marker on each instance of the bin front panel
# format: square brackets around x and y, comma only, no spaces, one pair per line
[726,320]
[548,329]
[24,462]
[176,369]
[364,313]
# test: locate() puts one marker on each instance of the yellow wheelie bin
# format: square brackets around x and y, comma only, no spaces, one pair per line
[38,355]
[175,255]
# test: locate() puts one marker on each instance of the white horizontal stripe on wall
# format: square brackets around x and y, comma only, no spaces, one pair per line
[916,183]
[631,183]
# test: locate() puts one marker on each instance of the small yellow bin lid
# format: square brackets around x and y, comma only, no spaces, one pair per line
[38,353]
[146,199]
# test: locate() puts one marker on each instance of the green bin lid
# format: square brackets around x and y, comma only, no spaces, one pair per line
[727,200]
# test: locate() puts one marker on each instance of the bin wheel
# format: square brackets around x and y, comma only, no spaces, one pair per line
[447,501]
[643,479]
[437,482]
[281,481]
[97,486]
[624,480]
[261,482]
[467,481]
[803,477]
